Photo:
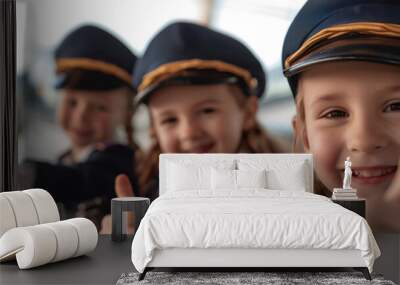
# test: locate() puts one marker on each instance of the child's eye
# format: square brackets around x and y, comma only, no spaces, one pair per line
[334,114]
[208,110]
[395,106]
[101,108]
[71,103]
[169,121]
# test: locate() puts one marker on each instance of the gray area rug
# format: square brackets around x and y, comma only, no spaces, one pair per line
[225,278]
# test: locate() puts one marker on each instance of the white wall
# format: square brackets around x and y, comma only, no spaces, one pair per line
[134,20]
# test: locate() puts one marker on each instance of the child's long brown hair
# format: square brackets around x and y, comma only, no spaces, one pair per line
[254,140]
[128,125]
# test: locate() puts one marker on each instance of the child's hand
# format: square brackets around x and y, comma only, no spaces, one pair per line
[123,188]
[393,193]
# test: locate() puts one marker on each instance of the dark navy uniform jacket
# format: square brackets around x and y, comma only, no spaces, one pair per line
[86,188]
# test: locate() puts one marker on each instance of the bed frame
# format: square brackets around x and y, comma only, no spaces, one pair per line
[256,259]
[236,259]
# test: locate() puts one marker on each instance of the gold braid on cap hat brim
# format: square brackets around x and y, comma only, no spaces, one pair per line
[363,28]
[170,69]
[66,64]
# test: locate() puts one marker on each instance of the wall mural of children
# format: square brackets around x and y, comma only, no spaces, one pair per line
[342,62]
[94,71]
[201,88]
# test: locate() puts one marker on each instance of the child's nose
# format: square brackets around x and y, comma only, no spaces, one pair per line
[366,136]
[189,129]
[82,113]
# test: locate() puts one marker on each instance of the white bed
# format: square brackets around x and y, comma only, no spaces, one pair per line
[279,225]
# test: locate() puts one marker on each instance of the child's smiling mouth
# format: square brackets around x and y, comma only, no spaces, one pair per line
[82,133]
[373,175]
[202,148]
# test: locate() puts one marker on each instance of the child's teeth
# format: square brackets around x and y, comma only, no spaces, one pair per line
[372,173]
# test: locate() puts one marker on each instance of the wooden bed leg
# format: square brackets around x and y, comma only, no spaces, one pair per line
[364,271]
[143,274]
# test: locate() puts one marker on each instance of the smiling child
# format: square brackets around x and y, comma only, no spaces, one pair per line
[201,88]
[342,60]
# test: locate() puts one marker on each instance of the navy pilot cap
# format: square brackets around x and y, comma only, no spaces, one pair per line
[324,31]
[188,53]
[90,58]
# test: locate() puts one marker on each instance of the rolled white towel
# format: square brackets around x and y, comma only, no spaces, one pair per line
[26,208]
[66,238]
[23,208]
[33,246]
[40,244]
[7,218]
[87,234]
[45,205]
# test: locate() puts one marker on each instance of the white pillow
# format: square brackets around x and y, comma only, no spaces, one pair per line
[216,163]
[223,179]
[251,178]
[281,174]
[236,179]
[185,174]
[181,178]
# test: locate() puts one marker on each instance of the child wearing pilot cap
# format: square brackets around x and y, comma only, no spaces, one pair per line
[94,71]
[342,61]
[201,88]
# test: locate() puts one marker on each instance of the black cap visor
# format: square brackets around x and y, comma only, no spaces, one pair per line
[372,49]
[80,79]
[197,77]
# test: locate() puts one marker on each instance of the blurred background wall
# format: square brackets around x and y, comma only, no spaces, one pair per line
[41,24]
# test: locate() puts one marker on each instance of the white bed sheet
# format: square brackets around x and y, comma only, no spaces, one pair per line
[253,218]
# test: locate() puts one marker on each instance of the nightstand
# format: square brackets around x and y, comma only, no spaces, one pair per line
[137,205]
[357,206]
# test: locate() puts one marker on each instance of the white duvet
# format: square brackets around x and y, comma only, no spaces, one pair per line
[255,218]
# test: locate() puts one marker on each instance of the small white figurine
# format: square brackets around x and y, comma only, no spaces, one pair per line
[347,174]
